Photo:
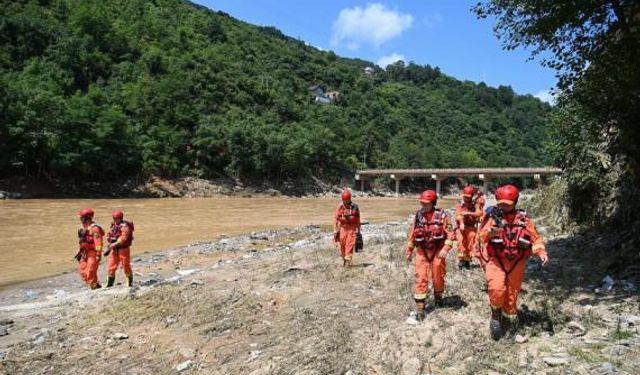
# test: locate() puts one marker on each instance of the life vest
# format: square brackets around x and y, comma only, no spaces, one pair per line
[468,220]
[429,234]
[85,237]
[513,240]
[116,230]
[348,215]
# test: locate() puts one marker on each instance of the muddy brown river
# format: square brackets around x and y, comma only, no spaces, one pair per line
[38,236]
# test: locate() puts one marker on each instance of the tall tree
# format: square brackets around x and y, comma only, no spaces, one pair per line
[594,45]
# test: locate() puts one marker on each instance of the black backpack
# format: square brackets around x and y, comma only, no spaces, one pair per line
[359,243]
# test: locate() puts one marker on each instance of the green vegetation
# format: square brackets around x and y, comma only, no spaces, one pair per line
[106,90]
[595,47]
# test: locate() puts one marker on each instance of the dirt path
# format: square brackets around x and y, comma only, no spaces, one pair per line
[279,302]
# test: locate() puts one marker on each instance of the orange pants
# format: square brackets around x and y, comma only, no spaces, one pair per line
[504,288]
[437,267]
[480,252]
[119,257]
[465,237]
[88,268]
[347,241]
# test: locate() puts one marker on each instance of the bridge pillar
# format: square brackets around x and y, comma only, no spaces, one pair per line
[361,182]
[398,179]
[485,182]
[538,179]
[438,183]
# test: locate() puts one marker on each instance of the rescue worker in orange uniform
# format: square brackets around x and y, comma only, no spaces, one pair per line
[480,248]
[468,213]
[119,250]
[430,237]
[511,238]
[346,226]
[90,239]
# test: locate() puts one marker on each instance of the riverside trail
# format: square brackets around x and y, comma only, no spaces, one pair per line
[278,302]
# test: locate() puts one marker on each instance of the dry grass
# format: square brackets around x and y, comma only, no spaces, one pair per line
[301,312]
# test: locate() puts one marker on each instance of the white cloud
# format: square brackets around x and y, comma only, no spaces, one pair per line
[373,24]
[433,20]
[390,59]
[546,96]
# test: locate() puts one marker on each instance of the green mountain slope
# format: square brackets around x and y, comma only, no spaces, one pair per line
[100,90]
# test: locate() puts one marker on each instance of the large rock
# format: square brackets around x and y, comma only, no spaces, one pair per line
[616,350]
[411,367]
[556,359]
[184,365]
[605,369]
[576,329]
[628,320]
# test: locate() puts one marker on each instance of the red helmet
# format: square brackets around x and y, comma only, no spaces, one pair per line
[346,195]
[86,212]
[507,194]
[468,191]
[428,196]
[117,214]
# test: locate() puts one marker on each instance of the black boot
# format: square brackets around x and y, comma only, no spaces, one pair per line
[420,314]
[130,280]
[510,326]
[438,300]
[495,326]
[110,281]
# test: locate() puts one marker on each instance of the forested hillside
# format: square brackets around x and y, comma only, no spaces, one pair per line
[98,90]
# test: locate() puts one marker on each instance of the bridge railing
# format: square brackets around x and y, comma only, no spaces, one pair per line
[439,174]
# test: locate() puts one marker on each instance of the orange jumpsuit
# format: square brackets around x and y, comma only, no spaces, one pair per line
[504,276]
[467,226]
[427,260]
[122,253]
[90,239]
[480,249]
[347,220]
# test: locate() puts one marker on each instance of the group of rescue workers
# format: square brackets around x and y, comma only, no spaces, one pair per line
[90,239]
[501,237]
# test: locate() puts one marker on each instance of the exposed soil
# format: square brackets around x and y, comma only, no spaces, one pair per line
[279,302]
[157,187]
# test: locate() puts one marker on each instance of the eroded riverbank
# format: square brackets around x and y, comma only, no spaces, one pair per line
[280,302]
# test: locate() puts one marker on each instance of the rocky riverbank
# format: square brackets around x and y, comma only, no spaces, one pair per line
[279,302]
[157,187]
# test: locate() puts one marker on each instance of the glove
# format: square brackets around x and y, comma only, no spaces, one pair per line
[408,253]
[444,251]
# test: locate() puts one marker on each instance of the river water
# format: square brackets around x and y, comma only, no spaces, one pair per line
[38,237]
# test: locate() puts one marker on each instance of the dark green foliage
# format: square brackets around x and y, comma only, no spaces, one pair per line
[595,48]
[111,89]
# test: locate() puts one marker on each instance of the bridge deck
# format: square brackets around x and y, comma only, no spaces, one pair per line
[439,174]
[458,172]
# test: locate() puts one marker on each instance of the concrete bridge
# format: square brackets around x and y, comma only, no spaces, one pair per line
[439,174]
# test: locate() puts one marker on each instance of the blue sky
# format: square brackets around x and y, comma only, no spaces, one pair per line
[443,33]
